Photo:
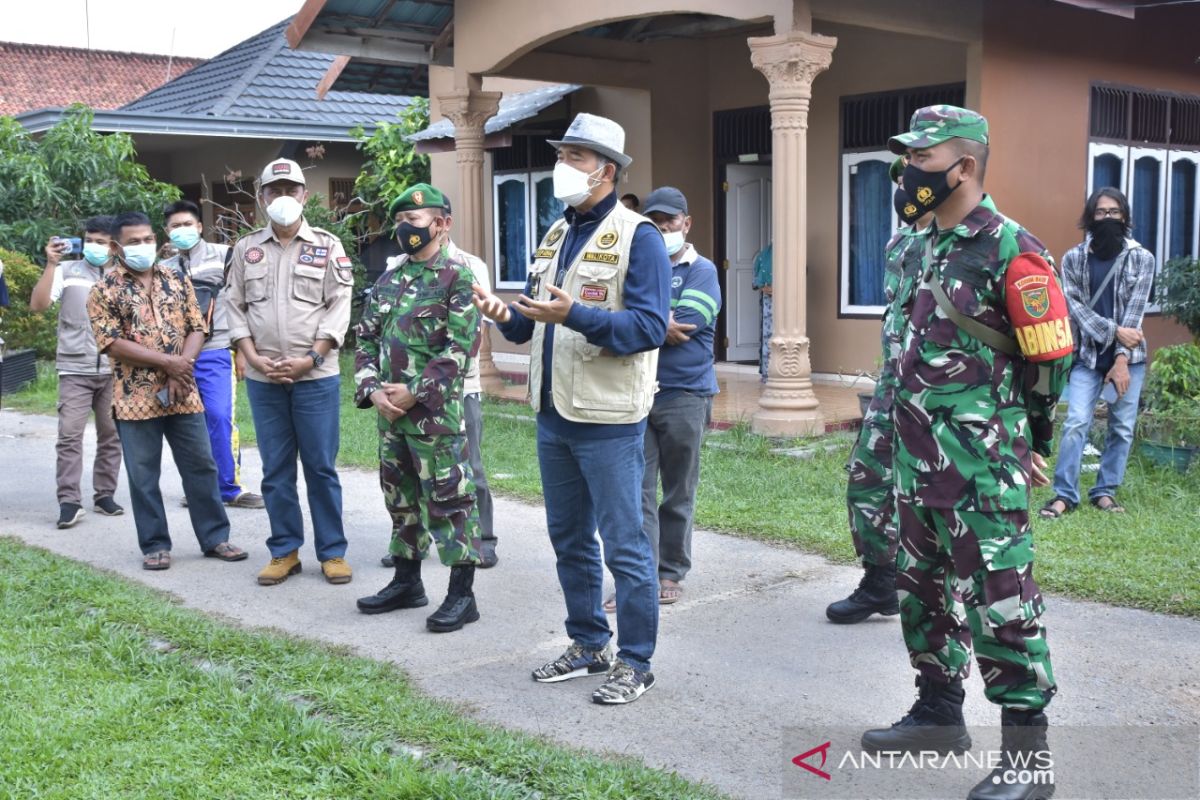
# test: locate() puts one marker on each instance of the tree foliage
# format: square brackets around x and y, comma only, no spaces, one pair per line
[50,183]
[1178,293]
[19,326]
[390,162]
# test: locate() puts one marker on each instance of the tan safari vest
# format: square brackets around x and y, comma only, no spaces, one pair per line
[588,384]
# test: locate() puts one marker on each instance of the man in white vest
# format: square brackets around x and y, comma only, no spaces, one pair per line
[595,309]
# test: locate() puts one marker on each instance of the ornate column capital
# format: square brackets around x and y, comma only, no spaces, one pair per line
[791,62]
[469,109]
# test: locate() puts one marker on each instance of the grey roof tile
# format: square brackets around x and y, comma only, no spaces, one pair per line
[262,77]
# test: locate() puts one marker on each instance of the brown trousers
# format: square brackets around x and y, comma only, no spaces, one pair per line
[78,395]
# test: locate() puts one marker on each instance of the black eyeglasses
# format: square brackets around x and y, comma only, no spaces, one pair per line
[1107,213]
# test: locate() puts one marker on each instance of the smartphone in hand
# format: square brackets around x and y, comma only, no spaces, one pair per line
[164,397]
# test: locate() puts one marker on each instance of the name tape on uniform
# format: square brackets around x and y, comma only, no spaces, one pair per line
[544,252]
[590,291]
[603,258]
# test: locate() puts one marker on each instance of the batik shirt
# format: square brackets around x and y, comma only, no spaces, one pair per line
[159,318]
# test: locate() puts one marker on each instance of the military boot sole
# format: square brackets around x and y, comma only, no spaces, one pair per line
[860,612]
[450,624]
[393,604]
[271,580]
[942,739]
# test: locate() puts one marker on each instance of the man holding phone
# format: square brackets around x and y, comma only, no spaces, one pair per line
[154,390]
[84,378]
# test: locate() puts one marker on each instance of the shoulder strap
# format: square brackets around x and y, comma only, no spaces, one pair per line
[1107,278]
[989,336]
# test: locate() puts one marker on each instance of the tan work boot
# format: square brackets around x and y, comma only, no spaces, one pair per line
[336,570]
[280,569]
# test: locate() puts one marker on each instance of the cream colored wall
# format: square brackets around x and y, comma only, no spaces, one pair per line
[865,61]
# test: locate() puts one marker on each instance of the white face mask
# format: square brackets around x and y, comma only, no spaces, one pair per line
[674,241]
[284,211]
[572,186]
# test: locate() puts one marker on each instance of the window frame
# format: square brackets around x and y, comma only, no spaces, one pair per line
[1173,157]
[850,161]
[1161,154]
[521,176]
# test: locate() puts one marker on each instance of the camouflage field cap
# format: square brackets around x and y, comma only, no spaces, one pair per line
[419,195]
[933,125]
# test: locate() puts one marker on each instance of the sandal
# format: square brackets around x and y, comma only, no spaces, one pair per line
[227,552]
[156,561]
[610,605]
[1112,506]
[669,592]
[1048,511]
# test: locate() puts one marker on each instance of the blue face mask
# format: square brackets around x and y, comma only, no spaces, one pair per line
[96,254]
[185,238]
[140,257]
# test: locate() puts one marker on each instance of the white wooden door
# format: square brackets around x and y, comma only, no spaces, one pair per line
[747,231]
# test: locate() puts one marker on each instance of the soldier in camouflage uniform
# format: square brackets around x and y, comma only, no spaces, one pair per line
[974,419]
[870,492]
[416,336]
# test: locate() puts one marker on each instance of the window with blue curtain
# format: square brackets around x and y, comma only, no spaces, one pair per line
[547,207]
[1182,210]
[1144,202]
[1106,171]
[870,215]
[512,257]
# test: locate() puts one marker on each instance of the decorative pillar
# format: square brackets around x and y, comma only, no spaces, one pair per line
[790,62]
[469,109]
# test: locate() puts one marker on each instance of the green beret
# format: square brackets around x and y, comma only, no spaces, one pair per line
[420,195]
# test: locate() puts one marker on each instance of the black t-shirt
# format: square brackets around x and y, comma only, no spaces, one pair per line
[1105,306]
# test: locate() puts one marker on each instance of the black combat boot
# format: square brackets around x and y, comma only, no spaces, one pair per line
[1026,756]
[405,590]
[876,594]
[935,722]
[459,606]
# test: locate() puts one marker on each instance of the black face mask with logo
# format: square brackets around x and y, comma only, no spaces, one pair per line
[906,209]
[928,190]
[1108,237]
[412,239]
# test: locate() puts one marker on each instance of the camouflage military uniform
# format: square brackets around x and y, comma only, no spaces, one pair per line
[968,418]
[420,328]
[870,491]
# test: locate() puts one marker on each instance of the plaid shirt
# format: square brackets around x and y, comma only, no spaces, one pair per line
[1132,281]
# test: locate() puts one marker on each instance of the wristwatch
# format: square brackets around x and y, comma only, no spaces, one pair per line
[317,358]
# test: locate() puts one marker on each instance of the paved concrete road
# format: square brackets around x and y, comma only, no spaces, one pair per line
[746,653]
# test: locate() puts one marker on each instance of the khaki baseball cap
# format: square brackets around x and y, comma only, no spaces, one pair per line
[281,169]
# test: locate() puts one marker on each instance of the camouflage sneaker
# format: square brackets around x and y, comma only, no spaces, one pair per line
[623,685]
[576,662]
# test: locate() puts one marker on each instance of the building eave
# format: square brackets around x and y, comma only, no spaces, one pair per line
[43,119]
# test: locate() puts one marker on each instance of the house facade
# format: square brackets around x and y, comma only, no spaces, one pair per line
[773,116]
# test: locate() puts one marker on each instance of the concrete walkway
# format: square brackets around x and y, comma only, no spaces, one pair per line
[745,654]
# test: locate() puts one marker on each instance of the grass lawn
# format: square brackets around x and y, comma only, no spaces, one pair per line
[108,689]
[1148,558]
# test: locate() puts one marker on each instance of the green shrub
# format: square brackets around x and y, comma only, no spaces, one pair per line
[20,327]
[1171,397]
[1178,293]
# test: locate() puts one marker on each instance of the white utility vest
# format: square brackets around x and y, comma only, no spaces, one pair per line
[590,384]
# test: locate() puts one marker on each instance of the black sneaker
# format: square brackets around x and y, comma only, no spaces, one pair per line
[108,507]
[624,684]
[576,662]
[69,514]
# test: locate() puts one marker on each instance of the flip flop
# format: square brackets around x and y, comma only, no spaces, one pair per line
[1111,507]
[227,552]
[610,605]
[669,592]
[1048,511]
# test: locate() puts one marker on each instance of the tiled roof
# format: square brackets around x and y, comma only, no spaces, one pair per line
[35,76]
[262,78]
[513,108]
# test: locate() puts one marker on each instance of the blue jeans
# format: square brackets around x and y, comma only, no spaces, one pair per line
[599,481]
[141,442]
[214,379]
[300,418]
[1082,392]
